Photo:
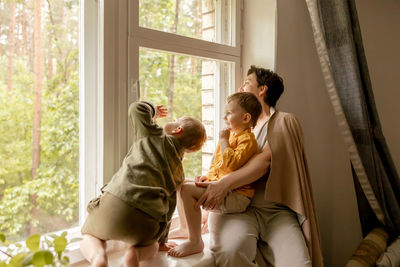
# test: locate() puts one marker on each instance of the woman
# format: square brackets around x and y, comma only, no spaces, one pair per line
[279,227]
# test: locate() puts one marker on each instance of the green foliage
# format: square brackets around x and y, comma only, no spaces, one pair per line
[38,251]
[160,15]
[56,185]
[50,201]
[33,242]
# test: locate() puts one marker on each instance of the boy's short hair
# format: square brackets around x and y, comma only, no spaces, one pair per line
[272,80]
[193,134]
[249,103]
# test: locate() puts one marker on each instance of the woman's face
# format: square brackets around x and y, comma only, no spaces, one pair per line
[250,85]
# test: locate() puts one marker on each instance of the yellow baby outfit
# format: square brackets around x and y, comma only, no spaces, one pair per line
[241,148]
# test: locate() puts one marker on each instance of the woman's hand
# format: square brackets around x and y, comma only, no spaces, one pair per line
[213,196]
[204,221]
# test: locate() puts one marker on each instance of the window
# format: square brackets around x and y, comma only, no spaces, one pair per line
[49,103]
[185,55]
[208,20]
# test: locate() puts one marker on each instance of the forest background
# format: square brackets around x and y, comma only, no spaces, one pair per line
[39,97]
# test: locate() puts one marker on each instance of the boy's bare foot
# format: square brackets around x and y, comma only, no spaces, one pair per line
[178,233]
[167,246]
[187,248]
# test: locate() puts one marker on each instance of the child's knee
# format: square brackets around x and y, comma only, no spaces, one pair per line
[191,191]
[187,190]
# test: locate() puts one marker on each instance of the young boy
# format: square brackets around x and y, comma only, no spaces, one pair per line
[236,146]
[137,205]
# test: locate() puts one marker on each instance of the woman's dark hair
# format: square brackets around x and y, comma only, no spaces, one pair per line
[271,80]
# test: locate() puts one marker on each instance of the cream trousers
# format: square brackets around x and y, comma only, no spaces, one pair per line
[260,236]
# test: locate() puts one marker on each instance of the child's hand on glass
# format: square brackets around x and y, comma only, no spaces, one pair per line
[161,112]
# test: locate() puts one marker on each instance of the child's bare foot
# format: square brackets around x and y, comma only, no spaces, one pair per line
[167,246]
[187,248]
[99,261]
[178,233]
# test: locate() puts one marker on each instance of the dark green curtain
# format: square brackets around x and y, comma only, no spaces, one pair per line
[338,39]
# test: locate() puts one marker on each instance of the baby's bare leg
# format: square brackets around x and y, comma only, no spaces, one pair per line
[190,193]
[94,250]
[134,255]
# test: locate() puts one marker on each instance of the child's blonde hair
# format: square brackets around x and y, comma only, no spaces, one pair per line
[193,134]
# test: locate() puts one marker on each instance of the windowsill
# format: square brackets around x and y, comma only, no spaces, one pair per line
[115,252]
[76,258]
[73,250]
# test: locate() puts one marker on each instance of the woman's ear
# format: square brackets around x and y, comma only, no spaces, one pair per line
[263,90]
[177,130]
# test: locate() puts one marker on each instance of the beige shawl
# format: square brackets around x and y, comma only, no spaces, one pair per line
[289,180]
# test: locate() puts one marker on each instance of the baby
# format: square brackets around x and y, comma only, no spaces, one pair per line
[137,205]
[236,146]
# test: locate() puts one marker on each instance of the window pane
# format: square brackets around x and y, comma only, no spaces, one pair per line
[187,86]
[209,20]
[39,126]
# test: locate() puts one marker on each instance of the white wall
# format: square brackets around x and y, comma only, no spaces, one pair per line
[305,95]
[258,45]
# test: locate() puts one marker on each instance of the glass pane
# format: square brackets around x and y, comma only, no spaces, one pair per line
[208,20]
[187,86]
[39,126]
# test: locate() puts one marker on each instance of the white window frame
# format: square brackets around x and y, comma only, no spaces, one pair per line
[91,99]
[91,126]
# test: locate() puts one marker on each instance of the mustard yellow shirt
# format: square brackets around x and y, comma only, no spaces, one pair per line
[241,148]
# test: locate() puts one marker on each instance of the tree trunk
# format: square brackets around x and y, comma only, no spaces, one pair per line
[38,77]
[171,87]
[198,32]
[170,94]
[37,101]
[18,19]
[24,32]
[58,19]
[11,45]
[49,65]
